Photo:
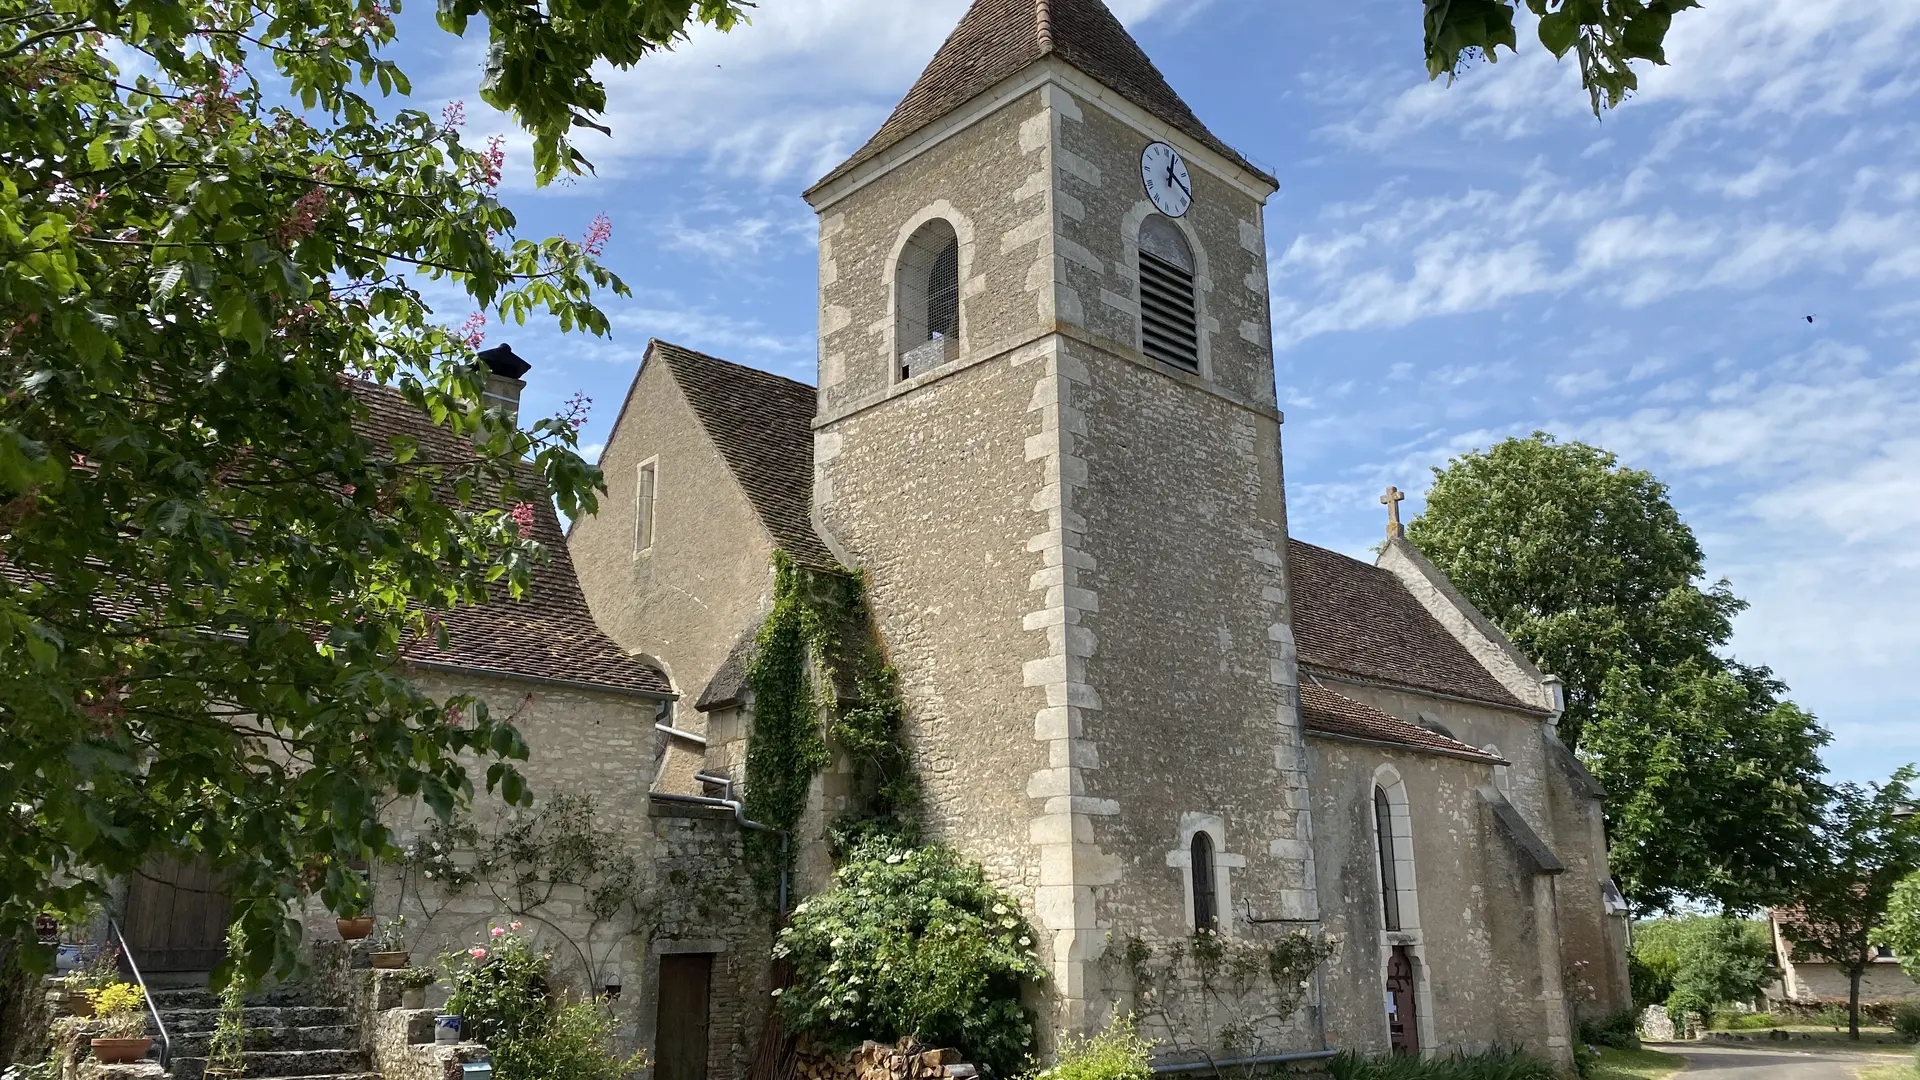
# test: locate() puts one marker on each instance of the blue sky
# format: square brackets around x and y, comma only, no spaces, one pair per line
[1450,265]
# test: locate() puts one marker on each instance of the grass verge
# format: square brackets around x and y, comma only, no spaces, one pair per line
[1644,1065]
[1903,1071]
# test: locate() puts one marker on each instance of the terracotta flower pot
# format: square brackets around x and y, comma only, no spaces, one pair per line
[355,929]
[391,960]
[120,1051]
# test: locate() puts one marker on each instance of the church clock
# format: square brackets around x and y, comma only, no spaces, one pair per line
[1166,179]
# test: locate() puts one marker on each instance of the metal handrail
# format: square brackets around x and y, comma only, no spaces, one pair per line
[126,952]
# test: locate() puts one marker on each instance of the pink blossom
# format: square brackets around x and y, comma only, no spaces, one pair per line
[477,954]
[598,232]
[497,932]
[453,117]
[491,163]
[304,217]
[471,333]
[574,412]
[523,516]
[514,925]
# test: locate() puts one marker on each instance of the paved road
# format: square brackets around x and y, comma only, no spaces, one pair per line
[1767,1063]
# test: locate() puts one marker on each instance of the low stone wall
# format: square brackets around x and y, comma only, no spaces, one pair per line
[905,1060]
[398,1040]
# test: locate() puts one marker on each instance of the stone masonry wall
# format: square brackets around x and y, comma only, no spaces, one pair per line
[1472,931]
[928,483]
[707,579]
[1051,478]
[696,889]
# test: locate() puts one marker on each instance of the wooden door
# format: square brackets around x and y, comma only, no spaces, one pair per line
[1403,1005]
[176,917]
[680,1038]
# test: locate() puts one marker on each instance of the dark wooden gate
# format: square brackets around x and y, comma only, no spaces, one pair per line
[1403,1004]
[176,917]
[680,1038]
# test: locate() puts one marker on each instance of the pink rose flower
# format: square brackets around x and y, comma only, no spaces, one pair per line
[514,925]
[497,932]
[477,954]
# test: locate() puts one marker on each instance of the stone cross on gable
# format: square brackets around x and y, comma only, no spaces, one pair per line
[1392,500]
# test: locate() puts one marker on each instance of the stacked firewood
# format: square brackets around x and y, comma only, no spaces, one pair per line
[906,1060]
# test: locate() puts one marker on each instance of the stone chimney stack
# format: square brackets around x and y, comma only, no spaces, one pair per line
[504,382]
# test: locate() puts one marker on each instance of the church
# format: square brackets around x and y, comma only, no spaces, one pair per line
[1045,437]
[1045,431]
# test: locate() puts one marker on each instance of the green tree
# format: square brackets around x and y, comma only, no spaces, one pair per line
[1605,35]
[1713,780]
[1901,930]
[1713,959]
[207,564]
[1868,843]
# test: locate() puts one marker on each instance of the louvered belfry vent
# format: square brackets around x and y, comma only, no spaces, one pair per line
[1169,313]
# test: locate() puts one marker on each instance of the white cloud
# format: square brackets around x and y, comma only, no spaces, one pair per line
[783,99]
[1753,59]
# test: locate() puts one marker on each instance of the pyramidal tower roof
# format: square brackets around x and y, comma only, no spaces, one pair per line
[999,38]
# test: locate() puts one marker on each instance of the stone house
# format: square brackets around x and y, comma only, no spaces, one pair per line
[1045,430]
[1812,979]
[591,712]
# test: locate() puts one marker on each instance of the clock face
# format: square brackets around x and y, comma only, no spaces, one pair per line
[1166,179]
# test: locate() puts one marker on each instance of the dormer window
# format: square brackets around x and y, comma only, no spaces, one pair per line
[1169,310]
[928,302]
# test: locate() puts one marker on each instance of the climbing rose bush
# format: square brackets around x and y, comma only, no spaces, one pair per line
[913,942]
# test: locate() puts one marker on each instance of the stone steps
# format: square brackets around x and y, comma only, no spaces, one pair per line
[283,1064]
[191,1021]
[325,1037]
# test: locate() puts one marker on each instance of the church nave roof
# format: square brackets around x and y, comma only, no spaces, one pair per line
[1328,713]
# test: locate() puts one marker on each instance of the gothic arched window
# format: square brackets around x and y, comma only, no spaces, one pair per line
[1389,876]
[927,331]
[1206,896]
[1169,309]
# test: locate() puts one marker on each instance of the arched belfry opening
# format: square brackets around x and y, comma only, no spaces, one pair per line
[927,307]
[1169,308]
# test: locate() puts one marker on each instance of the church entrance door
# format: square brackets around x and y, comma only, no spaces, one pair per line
[1403,1007]
[176,917]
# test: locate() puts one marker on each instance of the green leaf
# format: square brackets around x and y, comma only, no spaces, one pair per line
[1559,31]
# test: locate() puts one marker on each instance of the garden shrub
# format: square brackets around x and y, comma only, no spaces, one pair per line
[1731,1020]
[1118,1053]
[1906,1023]
[1620,1031]
[504,994]
[1687,1004]
[912,942]
[1498,1064]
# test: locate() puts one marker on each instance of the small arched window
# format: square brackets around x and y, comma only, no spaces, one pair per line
[1206,897]
[927,334]
[1389,877]
[1169,311]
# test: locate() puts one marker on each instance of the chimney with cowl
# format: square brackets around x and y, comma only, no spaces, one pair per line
[504,382]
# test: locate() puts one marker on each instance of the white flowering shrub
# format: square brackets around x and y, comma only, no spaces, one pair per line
[913,942]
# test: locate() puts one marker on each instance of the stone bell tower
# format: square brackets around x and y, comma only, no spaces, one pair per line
[1047,428]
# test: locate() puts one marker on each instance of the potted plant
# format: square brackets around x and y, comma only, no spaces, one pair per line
[354,927]
[121,1009]
[413,986]
[100,969]
[390,944]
